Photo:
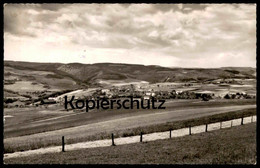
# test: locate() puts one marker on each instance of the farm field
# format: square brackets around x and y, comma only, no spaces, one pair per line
[46,126]
[235,145]
[184,131]
[26,121]
[27,80]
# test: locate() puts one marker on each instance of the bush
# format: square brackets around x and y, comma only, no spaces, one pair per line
[9,100]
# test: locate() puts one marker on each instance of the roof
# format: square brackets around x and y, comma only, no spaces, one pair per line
[146,97]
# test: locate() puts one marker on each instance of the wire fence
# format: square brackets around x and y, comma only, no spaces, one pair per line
[176,133]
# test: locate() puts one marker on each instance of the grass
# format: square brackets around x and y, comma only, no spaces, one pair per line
[13,147]
[236,145]
[22,119]
[191,122]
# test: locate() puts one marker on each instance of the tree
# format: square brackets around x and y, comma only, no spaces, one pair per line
[227,96]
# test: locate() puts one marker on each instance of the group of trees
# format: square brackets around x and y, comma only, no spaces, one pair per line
[238,96]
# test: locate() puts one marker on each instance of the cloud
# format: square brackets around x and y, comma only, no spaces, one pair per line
[16,21]
[50,7]
[190,32]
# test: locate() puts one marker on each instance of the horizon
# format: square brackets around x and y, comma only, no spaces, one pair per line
[166,35]
[130,64]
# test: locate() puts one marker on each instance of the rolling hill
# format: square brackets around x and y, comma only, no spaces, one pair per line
[89,74]
[28,80]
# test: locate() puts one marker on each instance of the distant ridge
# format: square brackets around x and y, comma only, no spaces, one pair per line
[109,63]
[90,74]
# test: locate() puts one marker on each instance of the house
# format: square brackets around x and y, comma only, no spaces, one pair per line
[105,91]
[52,98]
[150,94]
[178,92]
[146,97]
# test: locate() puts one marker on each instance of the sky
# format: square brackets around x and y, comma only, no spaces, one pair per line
[169,35]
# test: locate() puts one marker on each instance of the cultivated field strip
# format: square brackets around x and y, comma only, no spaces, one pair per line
[136,139]
[114,124]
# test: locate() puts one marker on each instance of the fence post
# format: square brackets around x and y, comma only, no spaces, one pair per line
[113,143]
[206,129]
[141,137]
[190,130]
[231,123]
[242,121]
[170,133]
[251,119]
[220,124]
[63,144]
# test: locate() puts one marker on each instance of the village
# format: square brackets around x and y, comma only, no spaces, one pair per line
[206,90]
[156,91]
